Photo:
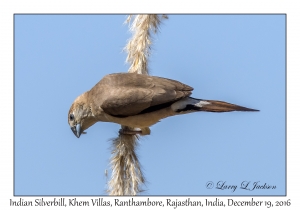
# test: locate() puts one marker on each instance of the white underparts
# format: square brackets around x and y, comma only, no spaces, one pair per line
[188,101]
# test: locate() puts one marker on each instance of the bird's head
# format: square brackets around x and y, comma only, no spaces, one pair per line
[80,116]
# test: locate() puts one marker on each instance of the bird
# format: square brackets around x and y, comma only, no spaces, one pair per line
[138,101]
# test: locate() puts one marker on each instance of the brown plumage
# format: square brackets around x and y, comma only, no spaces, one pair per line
[138,101]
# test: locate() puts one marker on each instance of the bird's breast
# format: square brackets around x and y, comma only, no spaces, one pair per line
[142,120]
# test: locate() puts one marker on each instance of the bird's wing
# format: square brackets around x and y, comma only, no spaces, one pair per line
[127,94]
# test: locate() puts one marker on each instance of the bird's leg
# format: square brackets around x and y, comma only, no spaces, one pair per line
[142,131]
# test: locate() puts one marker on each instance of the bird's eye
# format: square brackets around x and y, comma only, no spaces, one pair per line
[71,117]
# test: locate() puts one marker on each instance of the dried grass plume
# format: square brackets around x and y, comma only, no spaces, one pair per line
[127,176]
[138,47]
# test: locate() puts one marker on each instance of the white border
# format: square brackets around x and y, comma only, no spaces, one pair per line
[8,8]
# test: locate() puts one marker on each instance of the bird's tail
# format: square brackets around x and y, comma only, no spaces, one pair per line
[193,104]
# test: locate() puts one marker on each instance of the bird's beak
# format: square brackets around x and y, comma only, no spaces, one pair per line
[76,130]
[221,106]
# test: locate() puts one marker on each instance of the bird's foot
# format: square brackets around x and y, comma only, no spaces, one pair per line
[142,131]
[129,132]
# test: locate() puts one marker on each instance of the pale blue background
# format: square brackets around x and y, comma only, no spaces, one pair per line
[235,58]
